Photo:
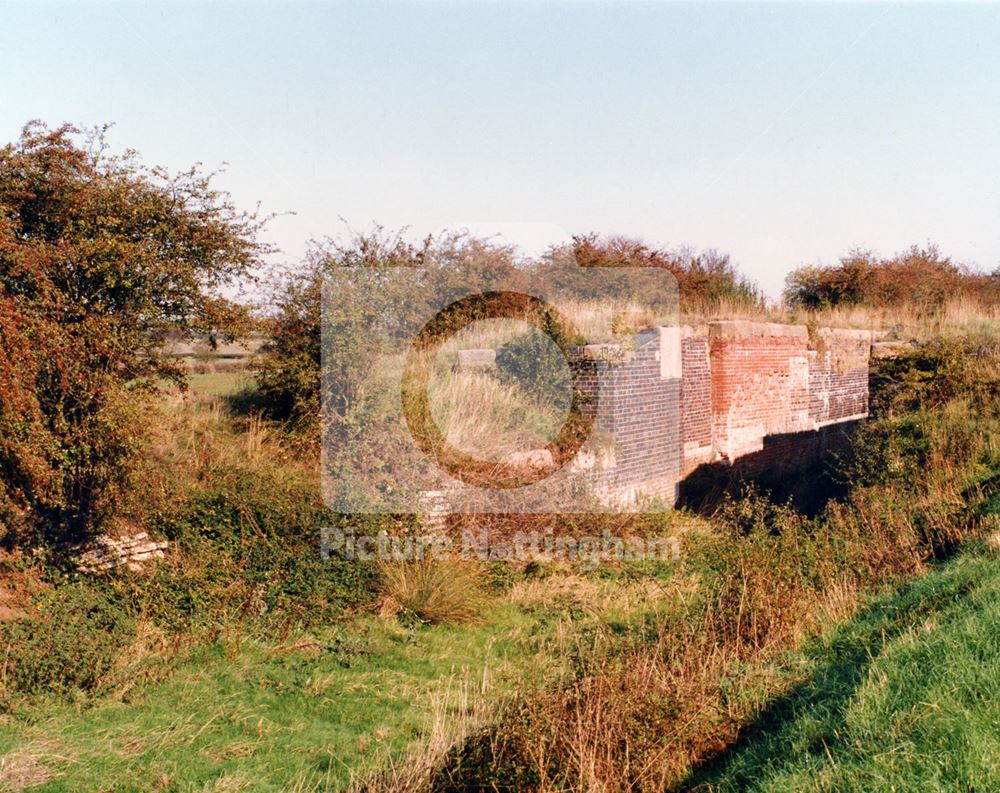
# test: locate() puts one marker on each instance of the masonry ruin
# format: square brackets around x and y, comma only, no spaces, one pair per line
[761,397]
[748,397]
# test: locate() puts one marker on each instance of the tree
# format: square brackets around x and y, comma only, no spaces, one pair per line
[100,258]
[704,279]
[849,283]
[373,279]
[289,378]
[921,277]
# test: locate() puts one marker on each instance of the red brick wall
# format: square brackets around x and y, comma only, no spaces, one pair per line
[768,398]
[760,384]
[755,391]
[745,382]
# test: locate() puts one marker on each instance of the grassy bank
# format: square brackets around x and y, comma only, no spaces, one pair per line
[242,662]
[923,477]
[903,697]
[305,715]
[324,707]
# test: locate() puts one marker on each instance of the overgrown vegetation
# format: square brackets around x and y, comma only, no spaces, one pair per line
[919,277]
[704,279]
[538,368]
[638,718]
[245,660]
[289,377]
[662,667]
[242,514]
[72,644]
[99,257]
[901,698]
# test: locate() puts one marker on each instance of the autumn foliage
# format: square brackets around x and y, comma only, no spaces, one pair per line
[704,279]
[918,276]
[100,256]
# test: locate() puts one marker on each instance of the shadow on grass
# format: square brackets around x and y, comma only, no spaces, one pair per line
[246,401]
[806,721]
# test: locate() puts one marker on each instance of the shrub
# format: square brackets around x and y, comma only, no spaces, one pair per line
[535,364]
[703,279]
[250,543]
[433,591]
[72,643]
[769,571]
[937,372]
[921,277]
[100,257]
[289,374]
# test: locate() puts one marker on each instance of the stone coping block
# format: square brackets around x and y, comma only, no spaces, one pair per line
[847,334]
[891,349]
[743,329]
[694,331]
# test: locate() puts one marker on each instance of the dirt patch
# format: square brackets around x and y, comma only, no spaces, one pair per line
[15,599]
[7,612]
[25,768]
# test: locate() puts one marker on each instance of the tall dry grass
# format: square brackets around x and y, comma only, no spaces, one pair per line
[194,435]
[958,316]
[491,419]
[458,711]
[599,322]
[434,591]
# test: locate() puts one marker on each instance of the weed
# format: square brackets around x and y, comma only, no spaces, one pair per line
[73,643]
[432,591]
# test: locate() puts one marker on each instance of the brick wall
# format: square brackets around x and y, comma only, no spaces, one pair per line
[645,416]
[771,386]
[760,393]
[838,375]
[679,402]
[760,384]
[696,396]
[636,400]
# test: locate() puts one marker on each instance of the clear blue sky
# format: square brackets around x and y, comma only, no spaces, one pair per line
[781,133]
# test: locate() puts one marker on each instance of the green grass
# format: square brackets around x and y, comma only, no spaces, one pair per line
[219,384]
[904,698]
[270,719]
[265,719]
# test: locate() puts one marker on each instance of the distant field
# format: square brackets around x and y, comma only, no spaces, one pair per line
[215,384]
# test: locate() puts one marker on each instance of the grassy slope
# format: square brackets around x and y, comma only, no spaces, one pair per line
[904,698]
[272,719]
[266,719]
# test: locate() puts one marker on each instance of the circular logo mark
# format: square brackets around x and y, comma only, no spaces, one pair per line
[416,378]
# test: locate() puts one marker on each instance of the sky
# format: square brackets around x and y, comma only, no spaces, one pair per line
[783,134]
